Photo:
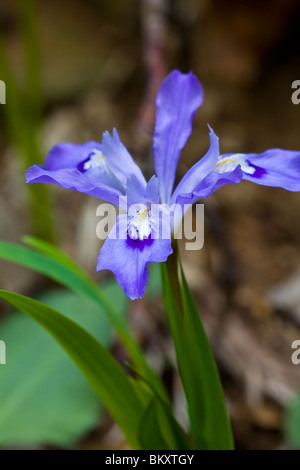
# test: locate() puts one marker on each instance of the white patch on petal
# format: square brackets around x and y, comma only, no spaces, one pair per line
[139,226]
[96,160]
[231,162]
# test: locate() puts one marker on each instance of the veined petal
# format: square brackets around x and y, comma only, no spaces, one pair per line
[118,159]
[178,99]
[128,259]
[200,170]
[78,167]
[274,167]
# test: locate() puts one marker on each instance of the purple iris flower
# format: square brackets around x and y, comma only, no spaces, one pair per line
[107,171]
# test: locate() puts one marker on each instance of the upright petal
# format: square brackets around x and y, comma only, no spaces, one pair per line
[118,159]
[274,167]
[78,167]
[152,190]
[137,193]
[178,99]
[128,259]
[200,170]
[209,184]
[205,188]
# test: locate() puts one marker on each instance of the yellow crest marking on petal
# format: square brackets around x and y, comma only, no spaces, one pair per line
[222,162]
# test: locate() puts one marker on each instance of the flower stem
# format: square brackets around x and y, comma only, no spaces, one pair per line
[172,265]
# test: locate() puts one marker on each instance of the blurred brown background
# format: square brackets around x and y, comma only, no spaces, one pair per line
[102,62]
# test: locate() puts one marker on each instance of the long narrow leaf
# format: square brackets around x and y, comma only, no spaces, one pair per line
[150,434]
[159,428]
[207,407]
[102,371]
[56,265]
[210,427]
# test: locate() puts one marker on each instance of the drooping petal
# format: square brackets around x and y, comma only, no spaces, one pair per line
[67,155]
[274,167]
[118,159]
[73,179]
[128,259]
[178,99]
[200,170]
[78,167]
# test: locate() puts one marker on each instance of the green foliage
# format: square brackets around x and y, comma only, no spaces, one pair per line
[139,412]
[159,429]
[292,422]
[207,408]
[140,406]
[104,374]
[53,263]
[44,399]
[210,427]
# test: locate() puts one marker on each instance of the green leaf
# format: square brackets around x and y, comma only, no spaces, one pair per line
[53,252]
[292,422]
[102,371]
[64,271]
[207,408]
[151,436]
[160,430]
[208,416]
[43,396]
[172,309]
[56,265]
